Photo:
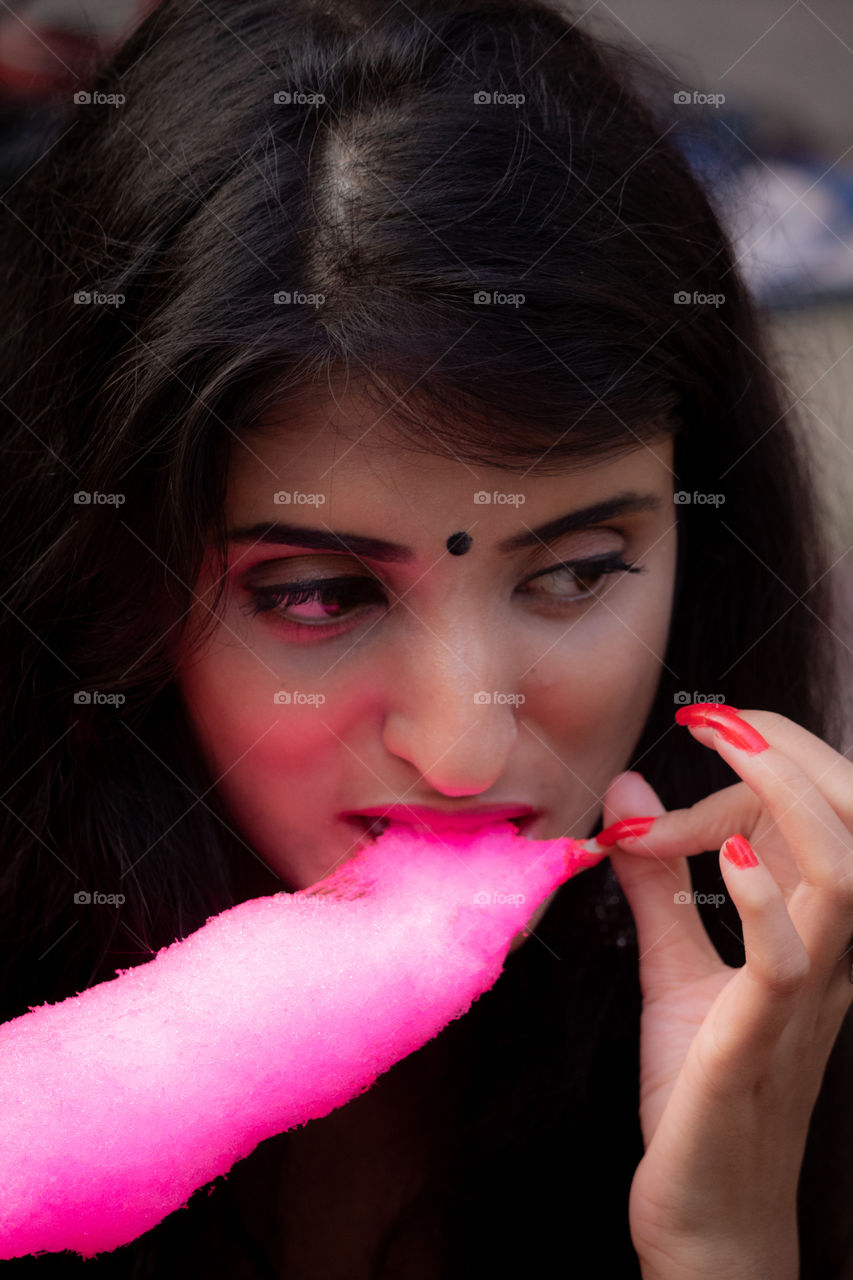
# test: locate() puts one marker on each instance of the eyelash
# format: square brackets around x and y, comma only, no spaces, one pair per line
[287,595]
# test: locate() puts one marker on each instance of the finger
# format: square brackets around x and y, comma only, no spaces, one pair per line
[777,961]
[826,767]
[679,833]
[821,907]
[774,980]
[671,937]
[706,824]
[752,1012]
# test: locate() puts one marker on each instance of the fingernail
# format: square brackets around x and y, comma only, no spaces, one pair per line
[620,830]
[589,855]
[739,851]
[726,721]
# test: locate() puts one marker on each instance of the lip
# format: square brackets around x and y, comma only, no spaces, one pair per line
[441,820]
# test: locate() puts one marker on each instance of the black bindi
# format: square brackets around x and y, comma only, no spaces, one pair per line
[459,543]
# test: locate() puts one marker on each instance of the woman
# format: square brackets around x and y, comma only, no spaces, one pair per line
[417,275]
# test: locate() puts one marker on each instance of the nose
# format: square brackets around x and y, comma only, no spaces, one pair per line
[450,712]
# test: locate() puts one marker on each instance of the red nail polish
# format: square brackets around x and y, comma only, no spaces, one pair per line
[705,706]
[726,721]
[627,827]
[739,851]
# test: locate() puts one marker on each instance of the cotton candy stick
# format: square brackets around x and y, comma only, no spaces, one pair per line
[118,1103]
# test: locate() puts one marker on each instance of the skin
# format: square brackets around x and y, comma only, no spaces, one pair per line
[399,721]
[731,1059]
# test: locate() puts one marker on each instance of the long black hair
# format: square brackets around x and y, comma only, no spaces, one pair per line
[293,190]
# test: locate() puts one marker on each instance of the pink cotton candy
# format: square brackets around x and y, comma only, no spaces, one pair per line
[118,1103]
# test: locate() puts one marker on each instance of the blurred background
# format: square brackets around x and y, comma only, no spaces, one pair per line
[767,106]
[775,81]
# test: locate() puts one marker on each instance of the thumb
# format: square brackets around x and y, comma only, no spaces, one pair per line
[629,795]
[671,938]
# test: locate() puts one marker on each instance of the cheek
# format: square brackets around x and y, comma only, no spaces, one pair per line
[254,726]
[220,692]
[596,688]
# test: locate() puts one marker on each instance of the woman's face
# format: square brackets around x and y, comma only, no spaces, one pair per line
[311,709]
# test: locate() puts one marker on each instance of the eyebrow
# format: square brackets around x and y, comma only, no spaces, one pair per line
[295,535]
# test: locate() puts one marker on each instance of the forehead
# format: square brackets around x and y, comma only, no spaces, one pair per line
[339,449]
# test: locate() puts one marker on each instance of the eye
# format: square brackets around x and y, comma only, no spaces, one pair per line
[582,572]
[317,604]
[320,599]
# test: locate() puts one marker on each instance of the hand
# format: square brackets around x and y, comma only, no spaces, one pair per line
[732,1059]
